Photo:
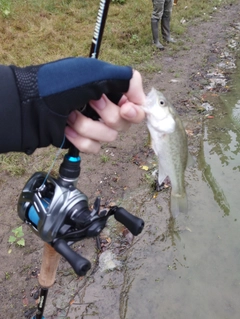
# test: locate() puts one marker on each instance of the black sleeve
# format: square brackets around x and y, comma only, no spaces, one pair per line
[10,112]
[35,101]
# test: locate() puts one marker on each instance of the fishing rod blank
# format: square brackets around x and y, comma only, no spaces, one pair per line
[99,28]
[49,254]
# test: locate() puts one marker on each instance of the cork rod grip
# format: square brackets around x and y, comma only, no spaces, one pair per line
[50,261]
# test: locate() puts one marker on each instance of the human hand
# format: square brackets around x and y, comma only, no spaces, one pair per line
[48,93]
[87,134]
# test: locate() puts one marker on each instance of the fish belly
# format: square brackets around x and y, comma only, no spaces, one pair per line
[172,163]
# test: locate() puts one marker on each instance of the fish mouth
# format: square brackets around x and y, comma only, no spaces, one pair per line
[151,97]
[150,101]
[145,109]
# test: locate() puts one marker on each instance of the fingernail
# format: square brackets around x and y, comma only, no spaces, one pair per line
[131,113]
[99,104]
[72,117]
[70,132]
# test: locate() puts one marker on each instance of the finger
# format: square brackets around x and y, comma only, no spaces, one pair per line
[84,144]
[110,113]
[132,112]
[88,128]
[135,92]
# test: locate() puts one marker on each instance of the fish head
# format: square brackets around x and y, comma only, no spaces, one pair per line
[156,104]
[158,112]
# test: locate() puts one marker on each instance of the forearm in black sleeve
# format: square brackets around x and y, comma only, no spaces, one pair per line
[10,112]
[36,101]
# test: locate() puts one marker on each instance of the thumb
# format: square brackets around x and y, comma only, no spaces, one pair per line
[135,92]
[132,112]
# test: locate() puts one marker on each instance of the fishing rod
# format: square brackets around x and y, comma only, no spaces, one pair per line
[99,28]
[59,213]
[96,43]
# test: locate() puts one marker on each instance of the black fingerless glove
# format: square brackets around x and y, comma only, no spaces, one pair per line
[49,92]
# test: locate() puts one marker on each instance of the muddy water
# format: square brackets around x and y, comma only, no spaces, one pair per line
[191,268]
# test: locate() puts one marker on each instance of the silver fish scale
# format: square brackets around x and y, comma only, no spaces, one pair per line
[169,142]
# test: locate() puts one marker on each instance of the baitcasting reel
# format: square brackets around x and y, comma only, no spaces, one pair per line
[59,214]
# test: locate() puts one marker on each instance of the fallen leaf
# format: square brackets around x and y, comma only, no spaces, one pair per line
[25,302]
[112,204]
[108,239]
[71,302]
[189,132]
[144,167]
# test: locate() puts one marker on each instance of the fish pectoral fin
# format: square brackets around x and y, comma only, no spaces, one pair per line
[178,204]
[161,175]
[191,160]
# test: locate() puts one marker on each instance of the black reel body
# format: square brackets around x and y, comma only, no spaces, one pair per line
[59,214]
[44,204]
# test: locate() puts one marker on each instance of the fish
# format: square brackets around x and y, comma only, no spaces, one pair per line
[169,143]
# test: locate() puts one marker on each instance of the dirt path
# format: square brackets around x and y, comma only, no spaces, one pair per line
[116,171]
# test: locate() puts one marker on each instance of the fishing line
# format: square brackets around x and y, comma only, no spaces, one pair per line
[94,51]
[53,163]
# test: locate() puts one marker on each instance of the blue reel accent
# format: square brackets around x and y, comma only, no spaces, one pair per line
[73,159]
[35,317]
[32,213]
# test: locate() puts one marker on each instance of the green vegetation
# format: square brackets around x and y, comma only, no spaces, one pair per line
[16,164]
[5,7]
[7,275]
[119,1]
[12,163]
[18,237]
[37,31]
[105,158]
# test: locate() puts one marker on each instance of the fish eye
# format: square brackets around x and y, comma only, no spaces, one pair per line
[161,102]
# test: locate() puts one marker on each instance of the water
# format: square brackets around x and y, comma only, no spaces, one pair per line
[192,270]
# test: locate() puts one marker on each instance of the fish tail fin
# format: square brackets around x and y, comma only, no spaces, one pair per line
[178,204]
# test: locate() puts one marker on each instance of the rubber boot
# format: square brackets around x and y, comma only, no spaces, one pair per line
[165,27]
[154,25]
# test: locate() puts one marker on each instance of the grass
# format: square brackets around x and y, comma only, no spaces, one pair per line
[38,31]
[105,158]
[16,164]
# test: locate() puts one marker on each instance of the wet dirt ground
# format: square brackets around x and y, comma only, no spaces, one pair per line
[117,175]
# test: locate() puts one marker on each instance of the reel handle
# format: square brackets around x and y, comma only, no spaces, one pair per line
[79,264]
[134,224]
